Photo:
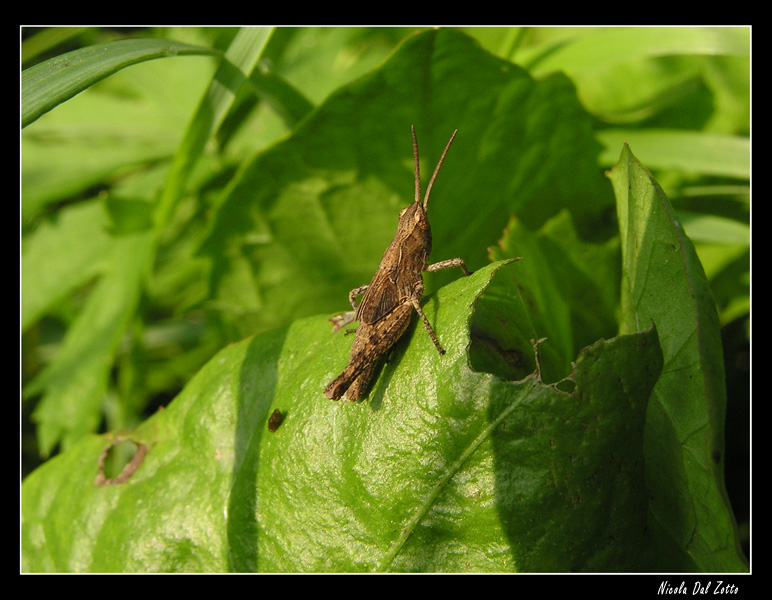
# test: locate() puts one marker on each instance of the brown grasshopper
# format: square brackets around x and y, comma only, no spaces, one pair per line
[396,289]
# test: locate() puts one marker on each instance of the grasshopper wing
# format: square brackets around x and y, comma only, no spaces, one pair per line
[381,297]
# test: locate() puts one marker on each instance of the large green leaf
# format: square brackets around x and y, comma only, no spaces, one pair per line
[663,282]
[442,468]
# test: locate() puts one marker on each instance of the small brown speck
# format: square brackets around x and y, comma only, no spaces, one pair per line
[275,420]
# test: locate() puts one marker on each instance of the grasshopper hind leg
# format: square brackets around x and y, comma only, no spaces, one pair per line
[361,384]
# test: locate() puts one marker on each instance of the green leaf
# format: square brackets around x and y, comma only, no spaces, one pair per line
[46,85]
[663,282]
[47,40]
[283,98]
[681,76]
[75,382]
[441,468]
[57,258]
[715,230]
[567,294]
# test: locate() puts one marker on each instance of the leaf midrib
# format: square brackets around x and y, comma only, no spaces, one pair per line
[424,508]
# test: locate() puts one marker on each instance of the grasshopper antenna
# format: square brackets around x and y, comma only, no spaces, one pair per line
[436,170]
[417,170]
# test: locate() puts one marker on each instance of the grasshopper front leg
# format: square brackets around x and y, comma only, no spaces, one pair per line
[414,300]
[418,292]
[344,318]
[447,264]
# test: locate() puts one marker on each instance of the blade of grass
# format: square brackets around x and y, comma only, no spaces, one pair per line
[46,40]
[240,59]
[46,85]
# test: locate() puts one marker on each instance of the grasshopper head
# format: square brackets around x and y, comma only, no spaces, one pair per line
[414,222]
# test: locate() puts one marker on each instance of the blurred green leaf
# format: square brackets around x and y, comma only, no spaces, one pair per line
[677,77]
[75,383]
[690,151]
[112,135]
[57,259]
[620,44]
[46,40]
[717,230]
[240,59]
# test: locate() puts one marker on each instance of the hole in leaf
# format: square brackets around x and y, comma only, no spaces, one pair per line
[567,385]
[119,461]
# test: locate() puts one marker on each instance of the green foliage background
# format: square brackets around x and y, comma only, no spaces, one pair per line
[229,188]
